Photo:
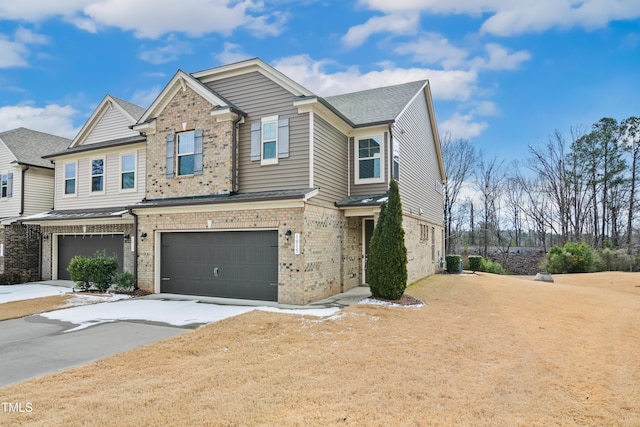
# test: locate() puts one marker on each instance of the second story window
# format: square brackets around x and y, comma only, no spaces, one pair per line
[186,153]
[369,160]
[128,171]
[97,175]
[7,183]
[70,178]
[270,140]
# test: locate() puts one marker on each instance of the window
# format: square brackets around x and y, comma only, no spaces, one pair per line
[369,160]
[189,159]
[269,140]
[5,186]
[128,171]
[97,176]
[424,232]
[186,153]
[70,178]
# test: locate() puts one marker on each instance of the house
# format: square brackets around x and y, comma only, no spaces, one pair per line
[257,188]
[26,188]
[97,176]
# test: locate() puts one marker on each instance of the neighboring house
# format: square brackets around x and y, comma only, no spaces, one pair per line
[96,177]
[26,188]
[257,188]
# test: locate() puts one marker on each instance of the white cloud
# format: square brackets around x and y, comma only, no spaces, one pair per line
[508,17]
[433,48]
[14,53]
[485,108]
[145,97]
[231,53]
[167,53]
[152,18]
[401,23]
[500,58]
[54,119]
[462,126]
[455,84]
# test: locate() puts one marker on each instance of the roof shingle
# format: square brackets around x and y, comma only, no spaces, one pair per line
[28,146]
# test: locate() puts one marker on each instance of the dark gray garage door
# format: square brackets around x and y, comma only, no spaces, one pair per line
[70,246]
[229,264]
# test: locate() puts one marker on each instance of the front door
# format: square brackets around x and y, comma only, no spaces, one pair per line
[367,231]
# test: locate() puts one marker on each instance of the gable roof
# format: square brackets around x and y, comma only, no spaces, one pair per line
[28,146]
[129,111]
[249,66]
[372,106]
[182,80]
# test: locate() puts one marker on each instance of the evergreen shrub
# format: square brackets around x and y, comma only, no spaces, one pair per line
[475,263]
[453,263]
[387,265]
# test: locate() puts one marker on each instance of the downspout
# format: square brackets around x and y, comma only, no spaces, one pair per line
[135,246]
[234,153]
[390,153]
[22,175]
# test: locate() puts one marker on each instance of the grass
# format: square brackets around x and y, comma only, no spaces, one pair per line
[485,350]
[16,309]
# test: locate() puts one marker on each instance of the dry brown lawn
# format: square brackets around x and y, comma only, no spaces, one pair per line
[16,309]
[485,350]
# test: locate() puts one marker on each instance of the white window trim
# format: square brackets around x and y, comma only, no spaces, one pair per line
[178,155]
[356,158]
[264,161]
[64,179]
[104,176]
[135,173]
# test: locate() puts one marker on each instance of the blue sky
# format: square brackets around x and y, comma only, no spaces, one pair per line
[503,73]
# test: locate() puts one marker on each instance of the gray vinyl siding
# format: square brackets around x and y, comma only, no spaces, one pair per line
[112,125]
[38,187]
[259,97]
[419,169]
[113,196]
[329,161]
[366,189]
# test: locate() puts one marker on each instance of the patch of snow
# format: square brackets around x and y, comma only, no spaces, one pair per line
[317,312]
[374,301]
[9,293]
[366,200]
[384,199]
[177,313]
[84,299]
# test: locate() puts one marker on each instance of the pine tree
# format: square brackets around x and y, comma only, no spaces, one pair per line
[387,265]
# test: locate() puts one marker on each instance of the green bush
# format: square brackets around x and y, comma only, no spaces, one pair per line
[489,266]
[124,282]
[93,271]
[572,258]
[453,263]
[475,263]
[80,273]
[387,266]
[102,269]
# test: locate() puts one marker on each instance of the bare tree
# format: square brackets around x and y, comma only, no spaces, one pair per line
[459,158]
[630,132]
[489,179]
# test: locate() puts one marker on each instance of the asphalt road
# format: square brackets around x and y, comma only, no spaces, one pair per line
[34,345]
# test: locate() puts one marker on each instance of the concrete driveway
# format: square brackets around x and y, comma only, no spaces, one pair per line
[34,345]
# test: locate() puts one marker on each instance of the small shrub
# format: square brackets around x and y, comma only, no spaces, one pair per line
[489,266]
[124,282]
[453,263]
[102,269]
[80,273]
[572,258]
[475,263]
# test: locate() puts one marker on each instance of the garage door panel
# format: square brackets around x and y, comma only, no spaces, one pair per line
[231,264]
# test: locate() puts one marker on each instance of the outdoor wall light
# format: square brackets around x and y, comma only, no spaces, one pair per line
[287,235]
[143,236]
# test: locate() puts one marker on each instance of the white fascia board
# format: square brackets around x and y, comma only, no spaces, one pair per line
[248,66]
[148,128]
[221,207]
[318,108]
[180,81]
